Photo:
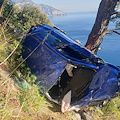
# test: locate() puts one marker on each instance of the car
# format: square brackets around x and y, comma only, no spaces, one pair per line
[67,73]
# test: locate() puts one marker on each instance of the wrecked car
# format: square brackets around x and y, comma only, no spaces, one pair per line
[67,73]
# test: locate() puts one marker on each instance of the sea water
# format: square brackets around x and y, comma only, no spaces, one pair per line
[78,26]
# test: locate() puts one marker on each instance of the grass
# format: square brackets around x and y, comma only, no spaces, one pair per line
[26,105]
[109,111]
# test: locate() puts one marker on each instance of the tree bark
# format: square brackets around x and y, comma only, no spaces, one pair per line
[95,38]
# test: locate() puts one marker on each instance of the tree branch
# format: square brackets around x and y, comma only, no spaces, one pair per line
[116,32]
[115,13]
[113,30]
[107,32]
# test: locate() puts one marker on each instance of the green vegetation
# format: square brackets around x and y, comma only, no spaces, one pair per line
[109,111]
[116,19]
[24,18]
[14,22]
[29,15]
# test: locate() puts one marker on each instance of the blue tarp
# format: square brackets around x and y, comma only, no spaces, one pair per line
[48,62]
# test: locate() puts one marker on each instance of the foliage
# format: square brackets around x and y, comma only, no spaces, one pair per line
[5,49]
[116,20]
[26,74]
[15,21]
[8,9]
[30,15]
[24,18]
[110,110]
[31,98]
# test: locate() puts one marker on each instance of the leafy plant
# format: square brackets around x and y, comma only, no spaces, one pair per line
[31,99]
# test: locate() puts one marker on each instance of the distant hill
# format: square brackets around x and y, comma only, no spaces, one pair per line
[49,10]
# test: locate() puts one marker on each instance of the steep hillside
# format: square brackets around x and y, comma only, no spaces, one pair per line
[16,104]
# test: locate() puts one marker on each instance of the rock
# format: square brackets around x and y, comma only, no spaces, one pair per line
[76,116]
[88,116]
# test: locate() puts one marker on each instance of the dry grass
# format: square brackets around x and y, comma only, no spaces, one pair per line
[30,105]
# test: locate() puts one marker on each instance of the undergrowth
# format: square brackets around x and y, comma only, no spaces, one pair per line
[109,111]
[26,104]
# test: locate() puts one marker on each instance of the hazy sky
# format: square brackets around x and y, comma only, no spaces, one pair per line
[71,5]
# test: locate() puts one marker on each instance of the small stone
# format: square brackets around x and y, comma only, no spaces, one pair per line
[76,116]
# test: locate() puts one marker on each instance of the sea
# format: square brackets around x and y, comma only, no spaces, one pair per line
[78,25]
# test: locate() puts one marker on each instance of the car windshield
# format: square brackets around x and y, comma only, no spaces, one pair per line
[63,47]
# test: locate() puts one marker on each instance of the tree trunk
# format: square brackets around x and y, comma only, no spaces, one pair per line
[95,38]
[1,6]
